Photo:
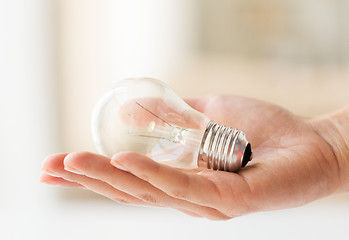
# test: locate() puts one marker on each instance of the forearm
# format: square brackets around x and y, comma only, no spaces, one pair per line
[334,128]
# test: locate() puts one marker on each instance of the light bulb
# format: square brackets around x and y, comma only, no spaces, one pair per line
[146,116]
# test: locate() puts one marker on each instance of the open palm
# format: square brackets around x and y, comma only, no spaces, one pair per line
[292,165]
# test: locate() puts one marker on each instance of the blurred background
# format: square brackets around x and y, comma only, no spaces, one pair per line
[57,57]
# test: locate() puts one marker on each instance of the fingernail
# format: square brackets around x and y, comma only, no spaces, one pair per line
[49,172]
[72,170]
[119,165]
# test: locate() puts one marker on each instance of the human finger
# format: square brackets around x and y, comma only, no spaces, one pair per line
[194,188]
[46,178]
[99,167]
[54,180]
[54,165]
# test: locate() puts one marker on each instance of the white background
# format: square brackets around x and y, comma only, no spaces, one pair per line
[52,57]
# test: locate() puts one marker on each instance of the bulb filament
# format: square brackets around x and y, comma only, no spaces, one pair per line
[170,132]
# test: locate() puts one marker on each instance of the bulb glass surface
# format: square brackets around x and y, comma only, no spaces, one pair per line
[146,116]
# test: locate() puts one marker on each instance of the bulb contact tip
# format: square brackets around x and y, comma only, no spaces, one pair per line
[247,155]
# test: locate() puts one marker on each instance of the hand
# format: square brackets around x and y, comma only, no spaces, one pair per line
[293,164]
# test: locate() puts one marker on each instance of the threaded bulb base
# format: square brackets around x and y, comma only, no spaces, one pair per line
[224,148]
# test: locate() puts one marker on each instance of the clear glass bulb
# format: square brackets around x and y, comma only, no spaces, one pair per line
[146,116]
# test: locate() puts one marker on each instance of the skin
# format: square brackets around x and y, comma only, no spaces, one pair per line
[296,160]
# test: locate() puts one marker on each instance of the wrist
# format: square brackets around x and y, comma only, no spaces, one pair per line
[334,129]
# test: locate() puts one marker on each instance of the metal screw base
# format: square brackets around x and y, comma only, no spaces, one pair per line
[224,148]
